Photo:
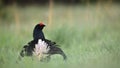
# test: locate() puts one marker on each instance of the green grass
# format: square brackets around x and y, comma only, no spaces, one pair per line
[88,43]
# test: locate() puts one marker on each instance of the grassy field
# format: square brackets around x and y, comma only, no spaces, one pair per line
[89,36]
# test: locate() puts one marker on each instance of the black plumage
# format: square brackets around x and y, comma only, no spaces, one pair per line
[38,34]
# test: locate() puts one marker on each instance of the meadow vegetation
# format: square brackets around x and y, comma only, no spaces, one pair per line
[90,36]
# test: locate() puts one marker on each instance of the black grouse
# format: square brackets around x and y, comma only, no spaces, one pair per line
[41,46]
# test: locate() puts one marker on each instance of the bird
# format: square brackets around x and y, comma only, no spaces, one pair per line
[40,46]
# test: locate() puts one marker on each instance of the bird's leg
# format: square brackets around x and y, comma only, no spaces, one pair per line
[46,59]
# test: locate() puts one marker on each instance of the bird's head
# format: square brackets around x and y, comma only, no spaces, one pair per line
[40,26]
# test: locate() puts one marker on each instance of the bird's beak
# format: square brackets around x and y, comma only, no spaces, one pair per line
[44,25]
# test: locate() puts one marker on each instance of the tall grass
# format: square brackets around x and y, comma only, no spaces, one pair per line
[91,43]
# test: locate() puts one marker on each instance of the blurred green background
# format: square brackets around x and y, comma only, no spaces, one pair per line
[88,31]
